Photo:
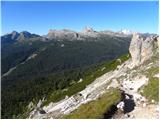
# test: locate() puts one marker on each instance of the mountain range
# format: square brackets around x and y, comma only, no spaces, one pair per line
[67,34]
[36,67]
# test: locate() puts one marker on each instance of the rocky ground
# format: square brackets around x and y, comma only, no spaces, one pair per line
[129,77]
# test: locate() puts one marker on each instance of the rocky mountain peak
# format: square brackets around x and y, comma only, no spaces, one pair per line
[14,32]
[141,48]
[14,35]
[88,29]
[23,35]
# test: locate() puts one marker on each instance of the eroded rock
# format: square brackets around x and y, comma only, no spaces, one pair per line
[141,48]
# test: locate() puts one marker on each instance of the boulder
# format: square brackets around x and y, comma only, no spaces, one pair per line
[120,105]
[39,105]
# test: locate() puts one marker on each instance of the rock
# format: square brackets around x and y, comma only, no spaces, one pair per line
[43,99]
[132,116]
[31,105]
[41,111]
[114,84]
[62,45]
[157,75]
[135,49]
[143,99]
[126,115]
[15,35]
[65,89]
[127,97]
[147,49]
[141,49]
[88,30]
[119,60]
[141,91]
[120,105]
[62,34]
[138,103]
[66,97]
[39,104]
[157,109]
[144,105]
[80,80]
[103,68]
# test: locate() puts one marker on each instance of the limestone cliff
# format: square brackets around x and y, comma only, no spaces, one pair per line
[141,48]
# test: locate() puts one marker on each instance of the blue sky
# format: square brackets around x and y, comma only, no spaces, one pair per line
[39,17]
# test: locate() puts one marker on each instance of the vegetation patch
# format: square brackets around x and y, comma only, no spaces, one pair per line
[98,108]
[151,90]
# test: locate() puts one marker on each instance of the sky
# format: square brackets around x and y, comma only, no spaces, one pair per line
[41,16]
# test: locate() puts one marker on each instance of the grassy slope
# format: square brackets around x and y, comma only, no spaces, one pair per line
[151,90]
[88,78]
[97,108]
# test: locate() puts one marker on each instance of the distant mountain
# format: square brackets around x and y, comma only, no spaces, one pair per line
[66,34]
[126,32]
[62,34]
[15,36]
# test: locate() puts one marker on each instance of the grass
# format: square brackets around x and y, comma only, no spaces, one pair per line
[88,78]
[97,108]
[151,90]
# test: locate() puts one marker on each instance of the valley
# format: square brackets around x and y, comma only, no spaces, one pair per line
[58,77]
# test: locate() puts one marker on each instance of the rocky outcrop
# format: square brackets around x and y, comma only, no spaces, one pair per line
[88,29]
[149,46]
[141,48]
[62,34]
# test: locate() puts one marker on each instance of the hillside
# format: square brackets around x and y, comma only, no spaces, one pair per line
[36,66]
[128,90]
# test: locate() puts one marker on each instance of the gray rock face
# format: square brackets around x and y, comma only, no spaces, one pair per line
[88,29]
[23,35]
[150,46]
[71,35]
[135,49]
[141,49]
[62,34]
[14,35]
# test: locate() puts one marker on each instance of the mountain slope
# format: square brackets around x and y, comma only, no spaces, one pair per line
[39,66]
[132,77]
